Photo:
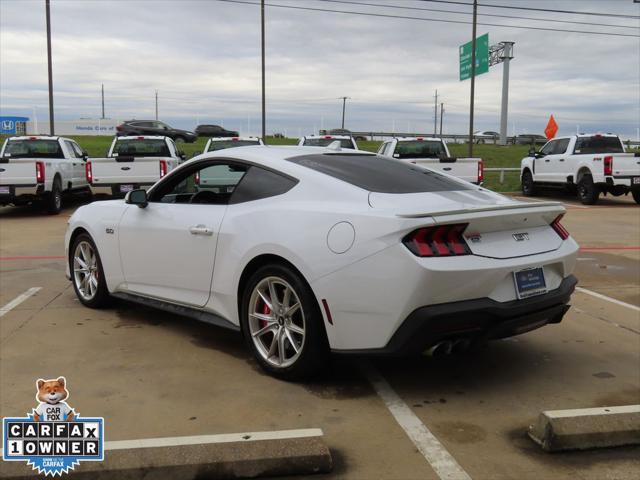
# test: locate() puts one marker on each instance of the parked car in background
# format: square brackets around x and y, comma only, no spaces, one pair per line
[433,153]
[530,139]
[215,131]
[308,251]
[342,131]
[486,136]
[154,127]
[132,163]
[590,164]
[346,141]
[39,169]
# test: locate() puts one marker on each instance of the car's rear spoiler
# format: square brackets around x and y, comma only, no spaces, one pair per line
[528,206]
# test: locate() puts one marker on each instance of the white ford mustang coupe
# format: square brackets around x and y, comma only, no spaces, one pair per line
[311,250]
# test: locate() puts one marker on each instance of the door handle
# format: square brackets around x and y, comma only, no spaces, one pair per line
[547,160]
[200,230]
[562,159]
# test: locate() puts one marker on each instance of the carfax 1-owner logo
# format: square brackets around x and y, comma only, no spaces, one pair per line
[53,438]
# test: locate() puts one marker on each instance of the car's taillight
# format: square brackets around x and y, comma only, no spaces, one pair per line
[196,178]
[119,128]
[608,165]
[441,241]
[88,172]
[560,230]
[480,171]
[163,168]
[39,172]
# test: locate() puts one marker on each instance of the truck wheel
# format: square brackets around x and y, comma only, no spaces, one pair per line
[180,140]
[636,196]
[53,201]
[528,185]
[588,192]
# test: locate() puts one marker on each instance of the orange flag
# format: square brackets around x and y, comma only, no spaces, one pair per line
[552,128]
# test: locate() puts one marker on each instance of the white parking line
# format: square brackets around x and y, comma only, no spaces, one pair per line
[608,299]
[18,300]
[206,439]
[433,451]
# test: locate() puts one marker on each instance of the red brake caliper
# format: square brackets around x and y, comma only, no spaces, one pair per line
[266,310]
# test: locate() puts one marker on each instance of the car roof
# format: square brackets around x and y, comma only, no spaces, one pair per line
[141,137]
[337,137]
[37,137]
[411,139]
[244,139]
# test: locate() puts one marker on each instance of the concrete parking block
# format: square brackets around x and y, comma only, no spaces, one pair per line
[581,429]
[238,455]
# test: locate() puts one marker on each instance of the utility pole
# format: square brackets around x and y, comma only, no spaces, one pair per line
[344,106]
[473,74]
[264,115]
[507,55]
[156,104]
[441,115]
[51,126]
[102,101]
[435,117]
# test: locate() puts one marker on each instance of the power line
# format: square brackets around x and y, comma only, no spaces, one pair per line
[383,15]
[573,12]
[495,15]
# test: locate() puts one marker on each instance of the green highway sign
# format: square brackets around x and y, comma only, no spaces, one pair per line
[482,57]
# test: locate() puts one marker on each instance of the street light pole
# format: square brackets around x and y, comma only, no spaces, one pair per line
[473,75]
[51,125]
[264,115]
[344,106]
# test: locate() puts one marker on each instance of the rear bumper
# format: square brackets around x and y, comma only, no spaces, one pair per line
[113,189]
[480,319]
[21,192]
[625,181]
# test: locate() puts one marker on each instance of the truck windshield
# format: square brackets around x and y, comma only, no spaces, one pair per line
[323,142]
[145,147]
[420,149]
[34,148]
[222,144]
[598,144]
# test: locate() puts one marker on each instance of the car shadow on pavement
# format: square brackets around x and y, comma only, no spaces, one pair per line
[69,205]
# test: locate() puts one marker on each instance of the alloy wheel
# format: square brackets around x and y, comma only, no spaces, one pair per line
[85,270]
[276,322]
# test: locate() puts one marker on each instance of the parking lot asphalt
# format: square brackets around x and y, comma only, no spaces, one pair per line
[152,374]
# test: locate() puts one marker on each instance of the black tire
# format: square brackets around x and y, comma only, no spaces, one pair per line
[180,139]
[636,196]
[528,185]
[53,200]
[588,192]
[314,349]
[101,298]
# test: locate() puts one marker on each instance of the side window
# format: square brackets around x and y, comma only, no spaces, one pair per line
[211,184]
[70,149]
[561,146]
[383,148]
[77,149]
[548,148]
[260,183]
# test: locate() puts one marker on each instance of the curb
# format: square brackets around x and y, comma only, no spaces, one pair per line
[240,455]
[586,428]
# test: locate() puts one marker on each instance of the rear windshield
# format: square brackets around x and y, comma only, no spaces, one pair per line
[222,144]
[34,148]
[598,144]
[420,149]
[323,142]
[142,148]
[380,174]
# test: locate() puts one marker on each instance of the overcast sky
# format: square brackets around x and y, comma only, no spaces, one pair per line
[203,57]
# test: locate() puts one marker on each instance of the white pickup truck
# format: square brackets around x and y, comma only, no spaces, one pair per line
[433,153]
[220,143]
[39,169]
[132,163]
[346,141]
[590,164]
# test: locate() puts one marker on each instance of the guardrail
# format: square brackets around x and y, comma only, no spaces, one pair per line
[502,170]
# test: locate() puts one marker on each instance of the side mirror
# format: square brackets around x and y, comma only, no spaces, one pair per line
[137,197]
[85,156]
[182,155]
[195,154]
[532,152]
